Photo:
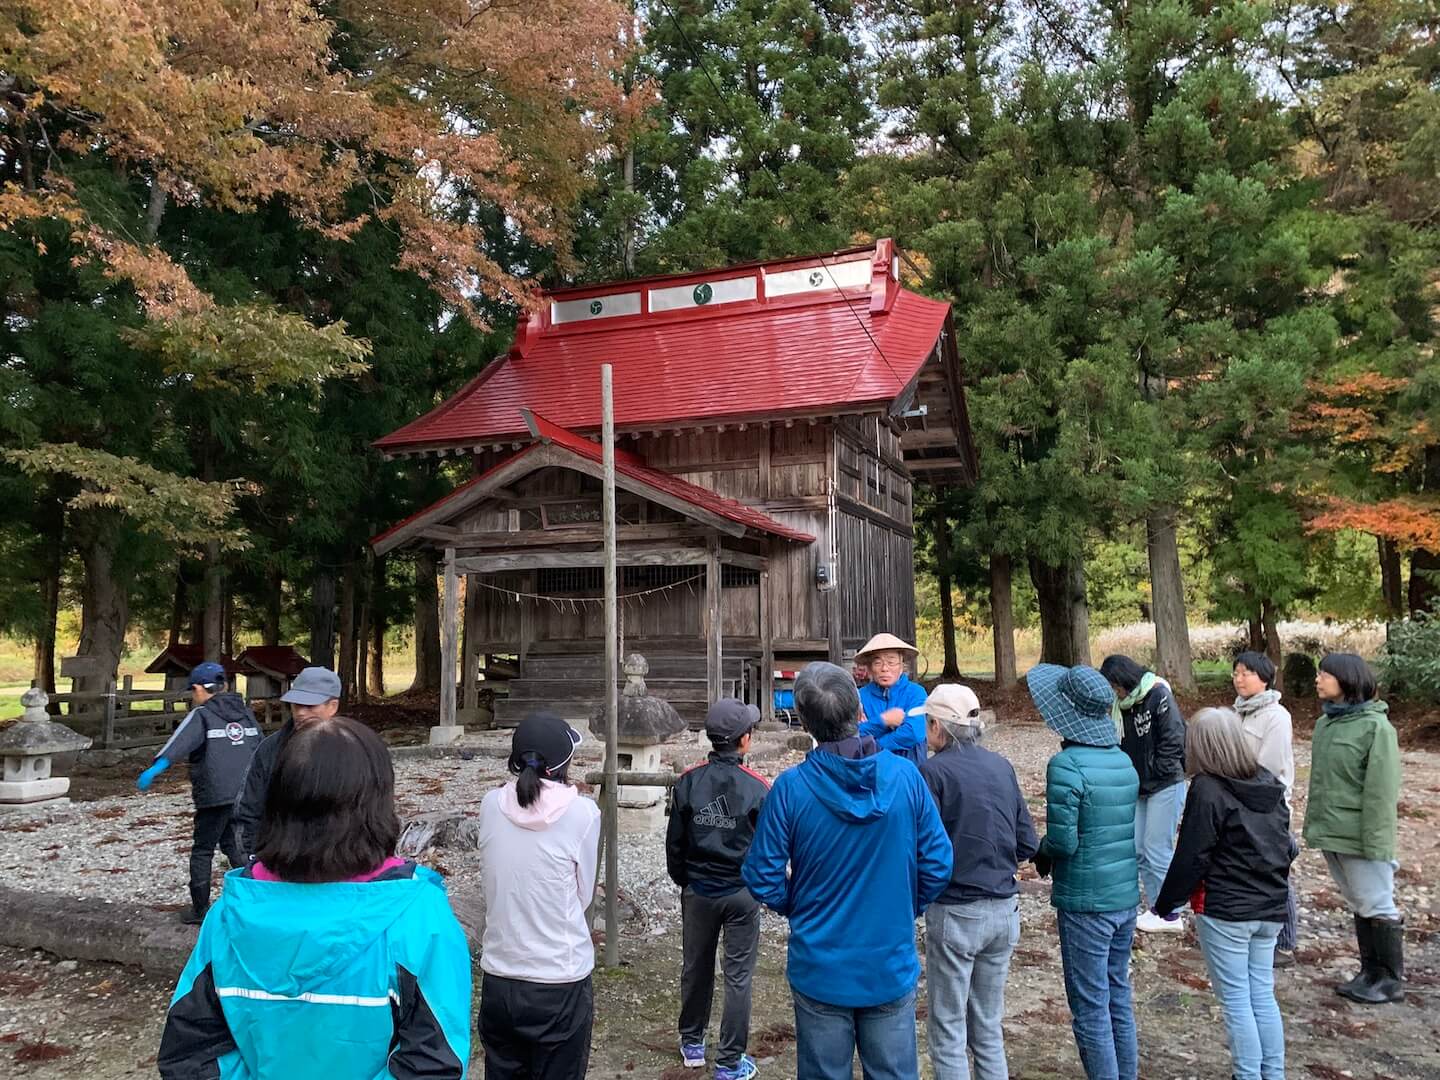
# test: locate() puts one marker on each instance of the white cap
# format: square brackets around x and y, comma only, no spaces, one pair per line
[954,703]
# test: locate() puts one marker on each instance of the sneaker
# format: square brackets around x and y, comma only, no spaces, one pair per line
[1150,923]
[743,1071]
[692,1055]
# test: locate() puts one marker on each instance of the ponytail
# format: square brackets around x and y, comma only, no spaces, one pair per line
[527,780]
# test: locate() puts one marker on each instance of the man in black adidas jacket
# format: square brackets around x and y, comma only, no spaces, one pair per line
[713,811]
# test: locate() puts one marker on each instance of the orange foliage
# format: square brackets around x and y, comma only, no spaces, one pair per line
[1409,522]
[234,102]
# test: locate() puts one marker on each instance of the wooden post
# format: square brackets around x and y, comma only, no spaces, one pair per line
[611,809]
[448,641]
[714,628]
[767,651]
[107,731]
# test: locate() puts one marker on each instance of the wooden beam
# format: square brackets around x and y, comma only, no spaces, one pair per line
[870,514]
[740,558]
[479,541]
[916,438]
[930,463]
[767,652]
[557,560]
[448,641]
[442,534]
[714,619]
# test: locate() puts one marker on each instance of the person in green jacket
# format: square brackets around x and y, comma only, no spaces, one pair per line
[1091,789]
[1351,814]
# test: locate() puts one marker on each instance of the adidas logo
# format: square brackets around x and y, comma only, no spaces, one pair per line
[716,815]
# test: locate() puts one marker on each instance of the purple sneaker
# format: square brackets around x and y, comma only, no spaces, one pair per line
[692,1055]
[743,1071]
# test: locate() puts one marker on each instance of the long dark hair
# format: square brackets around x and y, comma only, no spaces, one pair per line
[330,811]
[1357,681]
[1122,671]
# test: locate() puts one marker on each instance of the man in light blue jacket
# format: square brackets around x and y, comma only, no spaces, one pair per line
[866,853]
[894,706]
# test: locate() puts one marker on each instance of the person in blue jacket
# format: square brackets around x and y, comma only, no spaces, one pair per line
[866,854]
[327,956]
[894,706]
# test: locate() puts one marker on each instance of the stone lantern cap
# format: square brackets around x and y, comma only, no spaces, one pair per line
[641,719]
[35,733]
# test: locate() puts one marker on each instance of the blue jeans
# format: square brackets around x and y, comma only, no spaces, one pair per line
[1156,819]
[1240,957]
[1095,953]
[967,960]
[827,1036]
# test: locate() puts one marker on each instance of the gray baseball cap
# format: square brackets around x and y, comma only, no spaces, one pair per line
[729,720]
[313,686]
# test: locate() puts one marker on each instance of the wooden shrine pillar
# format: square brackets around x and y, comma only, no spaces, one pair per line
[448,640]
[767,650]
[714,623]
[470,657]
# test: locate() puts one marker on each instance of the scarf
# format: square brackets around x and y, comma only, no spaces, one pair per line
[1129,701]
[1247,705]
[1342,708]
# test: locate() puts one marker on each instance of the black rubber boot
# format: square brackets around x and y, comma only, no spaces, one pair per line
[1364,941]
[1387,967]
[199,905]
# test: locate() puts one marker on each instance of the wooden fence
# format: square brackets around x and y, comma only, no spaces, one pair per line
[118,718]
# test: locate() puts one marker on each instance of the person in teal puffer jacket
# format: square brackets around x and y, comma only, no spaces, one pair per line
[1090,795]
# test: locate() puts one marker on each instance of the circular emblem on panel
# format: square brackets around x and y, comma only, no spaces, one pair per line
[816,277]
[235,732]
[702,293]
[596,307]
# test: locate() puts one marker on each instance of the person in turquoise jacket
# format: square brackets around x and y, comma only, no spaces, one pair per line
[1091,789]
[894,706]
[327,956]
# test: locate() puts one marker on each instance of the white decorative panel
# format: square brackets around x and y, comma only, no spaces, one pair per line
[594,307]
[854,274]
[724,291]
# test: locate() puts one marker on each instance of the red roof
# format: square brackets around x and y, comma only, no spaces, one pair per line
[284,660]
[626,464]
[183,657]
[843,336]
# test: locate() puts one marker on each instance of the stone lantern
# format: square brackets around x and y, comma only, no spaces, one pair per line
[27,747]
[643,722]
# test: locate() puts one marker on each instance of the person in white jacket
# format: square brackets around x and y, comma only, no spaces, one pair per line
[538,847]
[1268,730]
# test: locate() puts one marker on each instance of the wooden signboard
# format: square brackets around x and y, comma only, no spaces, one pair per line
[79,667]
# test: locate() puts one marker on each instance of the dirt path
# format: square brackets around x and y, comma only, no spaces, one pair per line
[100,1022]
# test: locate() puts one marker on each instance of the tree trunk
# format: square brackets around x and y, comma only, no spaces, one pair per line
[1425,565]
[52,537]
[274,594]
[347,632]
[1255,626]
[179,606]
[105,600]
[212,627]
[362,632]
[1273,646]
[322,618]
[379,617]
[1064,615]
[1173,660]
[227,633]
[427,623]
[1392,589]
[1002,621]
[941,527]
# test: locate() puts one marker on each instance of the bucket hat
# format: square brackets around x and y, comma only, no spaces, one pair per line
[1074,702]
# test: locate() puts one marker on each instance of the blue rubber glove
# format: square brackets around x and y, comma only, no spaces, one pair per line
[147,777]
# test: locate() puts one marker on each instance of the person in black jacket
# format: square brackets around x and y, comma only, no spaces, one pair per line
[219,737]
[1232,863]
[713,810]
[314,695]
[1152,732]
[971,930]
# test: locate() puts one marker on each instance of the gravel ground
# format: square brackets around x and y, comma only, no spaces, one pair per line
[100,1022]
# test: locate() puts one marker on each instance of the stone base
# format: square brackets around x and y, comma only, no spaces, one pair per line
[33,791]
[444,734]
[39,807]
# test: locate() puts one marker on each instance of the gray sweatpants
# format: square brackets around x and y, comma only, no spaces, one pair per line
[704,920]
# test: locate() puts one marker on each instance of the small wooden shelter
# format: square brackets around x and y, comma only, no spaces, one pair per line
[269,669]
[770,422]
[176,662]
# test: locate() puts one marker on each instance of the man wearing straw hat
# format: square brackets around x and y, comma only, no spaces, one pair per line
[971,930]
[894,706]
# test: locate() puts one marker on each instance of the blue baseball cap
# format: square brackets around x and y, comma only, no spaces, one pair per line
[313,686]
[207,675]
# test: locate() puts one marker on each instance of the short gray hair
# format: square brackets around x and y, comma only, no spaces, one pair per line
[827,701]
[1216,745]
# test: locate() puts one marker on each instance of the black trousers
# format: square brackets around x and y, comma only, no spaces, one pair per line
[703,922]
[212,829]
[536,1031]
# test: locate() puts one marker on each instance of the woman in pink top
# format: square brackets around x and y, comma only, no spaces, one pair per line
[538,847]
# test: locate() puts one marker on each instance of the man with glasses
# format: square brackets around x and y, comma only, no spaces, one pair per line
[894,706]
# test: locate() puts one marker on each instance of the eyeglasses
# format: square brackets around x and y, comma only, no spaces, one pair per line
[886,664]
